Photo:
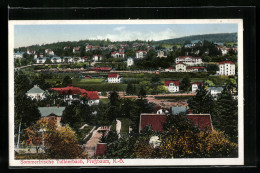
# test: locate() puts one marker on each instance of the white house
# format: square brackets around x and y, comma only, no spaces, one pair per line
[180,67]
[97,57]
[76,49]
[41,60]
[118,54]
[36,93]
[141,54]
[67,59]
[170,69]
[130,62]
[71,93]
[51,53]
[56,60]
[189,60]
[226,68]
[113,78]
[88,47]
[214,91]
[172,86]
[161,54]
[195,86]
[18,55]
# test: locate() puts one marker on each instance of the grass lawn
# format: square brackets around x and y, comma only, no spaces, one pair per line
[90,81]
[104,101]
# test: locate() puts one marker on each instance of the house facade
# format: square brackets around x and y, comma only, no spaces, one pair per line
[130,62]
[172,86]
[113,78]
[195,86]
[141,54]
[56,60]
[161,54]
[226,68]
[97,57]
[189,60]
[36,93]
[76,49]
[18,55]
[71,93]
[215,91]
[41,60]
[180,67]
[117,54]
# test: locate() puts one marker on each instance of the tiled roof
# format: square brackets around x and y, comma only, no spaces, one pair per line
[171,68]
[195,67]
[226,62]
[46,111]
[167,82]
[177,110]
[113,75]
[101,149]
[203,121]
[92,95]
[156,120]
[141,51]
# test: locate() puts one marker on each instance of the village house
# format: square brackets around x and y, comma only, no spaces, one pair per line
[41,60]
[41,55]
[156,121]
[36,93]
[66,48]
[95,47]
[180,67]
[172,86]
[56,60]
[130,61]
[31,52]
[50,53]
[215,91]
[161,54]
[113,78]
[196,69]
[18,55]
[46,51]
[141,54]
[71,93]
[88,47]
[67,59]
[170,69]
[193,44]
[123,45]
[189,60]
[97,57]
[117,54]
[195,86]
[76,49]
[226,68]
[54,113]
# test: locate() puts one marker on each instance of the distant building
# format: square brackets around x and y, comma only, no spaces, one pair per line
[54,113]
[180,67]
[156,121]
[130,61]
[226,68]
[196,69]
[189,60]
[117,54]
[113,78]
[67,59]
[170,69]
[18,55]
[172,86]
[76,49]
[215,91]
[161,54]
[41,60]
[56,60]
[176,110]
[141,54]
[36,93]
[97,57]
[71,93]
[195,86]
[66,48]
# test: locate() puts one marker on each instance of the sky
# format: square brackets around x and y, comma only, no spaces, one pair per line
[26,35]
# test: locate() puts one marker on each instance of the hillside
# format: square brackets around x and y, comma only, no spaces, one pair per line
[223,37]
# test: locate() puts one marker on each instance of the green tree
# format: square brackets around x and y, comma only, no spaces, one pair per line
[67,81]
[130,90]
[202,102]
[225,114]
[185,84]
[142,93]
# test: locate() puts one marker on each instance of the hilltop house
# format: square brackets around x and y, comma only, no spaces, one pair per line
[214,91]
[118,54]
[76,49]
[67,59]
[54,113]
[36,93]
[88,47]
[172,86]
[161,54]
[195,86]
[113,78]
[141,54]
[18,55]
[97,57]
[180,67]
[189,60]
[50,53]
[71,93]
[226,68]
[41,60]
[170,69]
[56,60]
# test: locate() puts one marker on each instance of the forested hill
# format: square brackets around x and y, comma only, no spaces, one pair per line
[223,37]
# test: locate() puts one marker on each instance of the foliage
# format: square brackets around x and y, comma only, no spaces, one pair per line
[185,84]
[66,81]
[202,102]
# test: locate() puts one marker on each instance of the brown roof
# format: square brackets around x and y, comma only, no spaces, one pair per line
[155,120]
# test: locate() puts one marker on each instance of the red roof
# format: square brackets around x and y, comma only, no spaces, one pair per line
[156,120]
[180,63]
[92,95]
[167,82]
[76,48]
[141,51]
[195,67]
[101,149]
[171,67]
[189,57]
[203,121]
[113,75]
[226,62]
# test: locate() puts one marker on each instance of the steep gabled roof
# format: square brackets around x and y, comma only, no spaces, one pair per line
[35,90]
[155,120]
[112,75]
[203,121]
[47,111]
